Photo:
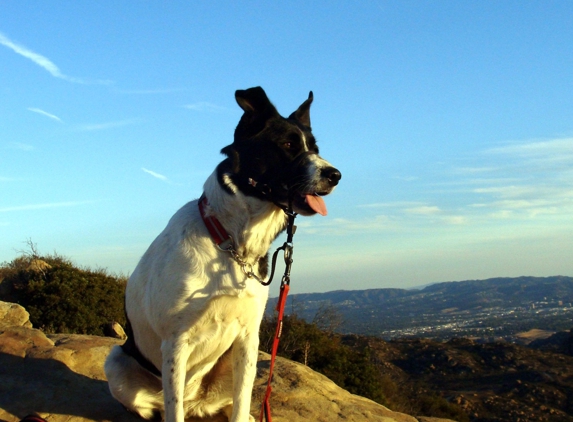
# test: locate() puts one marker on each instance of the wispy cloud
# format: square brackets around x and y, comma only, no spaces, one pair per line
[106,125]
[45,63]
[396,204]
[423,210]
[344,226]
[381,223]
[542,178]
[35,57]
[205,106]
[45,113]
[20,146]
[474,170]
[552,148]
[406,178]
[536,156]
[529,184]
[455,220]
[511,191]
[158,91]
[43,206]
[156,175]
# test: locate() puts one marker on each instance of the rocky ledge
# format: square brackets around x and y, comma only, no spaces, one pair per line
[61,378]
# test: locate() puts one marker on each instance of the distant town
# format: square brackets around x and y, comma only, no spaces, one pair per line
[489,324]
[482,310]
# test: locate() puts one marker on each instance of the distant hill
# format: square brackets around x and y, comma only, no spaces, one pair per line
[473,308]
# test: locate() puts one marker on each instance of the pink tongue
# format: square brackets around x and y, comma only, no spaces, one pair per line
[316,203]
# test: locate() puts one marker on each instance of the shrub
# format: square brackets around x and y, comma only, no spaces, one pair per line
[60,297]
[433,404]
[306,343]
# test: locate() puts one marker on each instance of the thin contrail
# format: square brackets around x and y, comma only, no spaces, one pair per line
[154,174]
[45,113]
[44,62]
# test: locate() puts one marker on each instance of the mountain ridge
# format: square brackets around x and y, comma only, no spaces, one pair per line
[519,303]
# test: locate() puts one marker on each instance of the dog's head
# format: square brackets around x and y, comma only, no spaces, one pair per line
[276,158]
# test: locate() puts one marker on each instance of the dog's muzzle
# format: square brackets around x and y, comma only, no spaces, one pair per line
[312,177]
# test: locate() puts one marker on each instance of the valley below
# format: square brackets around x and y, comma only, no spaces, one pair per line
[482,310]
[494,350]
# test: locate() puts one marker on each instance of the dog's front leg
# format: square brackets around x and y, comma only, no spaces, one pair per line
[175,355]
[245,354]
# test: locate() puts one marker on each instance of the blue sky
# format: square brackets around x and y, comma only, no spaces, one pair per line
[451,121]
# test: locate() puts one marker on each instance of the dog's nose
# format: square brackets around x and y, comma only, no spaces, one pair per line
[332,175]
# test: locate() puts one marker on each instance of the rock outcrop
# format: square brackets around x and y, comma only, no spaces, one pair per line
[61,378]
[12,314]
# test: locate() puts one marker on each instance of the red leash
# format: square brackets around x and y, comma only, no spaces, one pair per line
[285,286]
[266,407]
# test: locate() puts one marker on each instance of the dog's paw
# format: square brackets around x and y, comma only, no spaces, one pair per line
[228,411]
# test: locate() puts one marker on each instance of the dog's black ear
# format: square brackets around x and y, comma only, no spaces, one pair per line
[258,110]
[302,114]
[254,101]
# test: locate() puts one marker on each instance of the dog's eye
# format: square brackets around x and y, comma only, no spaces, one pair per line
[291,141]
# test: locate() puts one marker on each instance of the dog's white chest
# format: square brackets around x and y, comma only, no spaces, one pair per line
[224,319]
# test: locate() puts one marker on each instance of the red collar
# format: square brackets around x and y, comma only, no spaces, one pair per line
[222,239]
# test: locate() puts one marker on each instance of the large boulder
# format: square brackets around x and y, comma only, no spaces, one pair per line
[301,394]
[61,378]
[14,315]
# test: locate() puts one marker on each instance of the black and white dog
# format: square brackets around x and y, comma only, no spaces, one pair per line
[194,309]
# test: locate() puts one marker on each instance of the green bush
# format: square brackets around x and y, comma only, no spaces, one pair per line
[433,404]
[305,343]
[62,298]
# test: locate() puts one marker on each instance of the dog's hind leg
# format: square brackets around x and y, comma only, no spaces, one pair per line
[137,389]
[216,390]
